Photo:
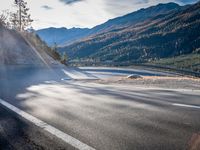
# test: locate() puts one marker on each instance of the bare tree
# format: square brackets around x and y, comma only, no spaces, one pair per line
[4,18]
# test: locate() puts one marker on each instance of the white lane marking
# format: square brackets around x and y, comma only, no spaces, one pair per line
[185,105]
[61,135]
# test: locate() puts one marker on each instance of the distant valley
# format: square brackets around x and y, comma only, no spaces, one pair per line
[162,31]
[61,36]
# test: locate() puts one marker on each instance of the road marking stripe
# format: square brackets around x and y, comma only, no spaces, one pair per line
[185,105]
[61,135]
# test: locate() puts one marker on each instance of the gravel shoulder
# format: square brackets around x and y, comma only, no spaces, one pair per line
[153,81]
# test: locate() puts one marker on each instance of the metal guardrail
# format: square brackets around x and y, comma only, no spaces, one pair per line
[181,71]
[125,64]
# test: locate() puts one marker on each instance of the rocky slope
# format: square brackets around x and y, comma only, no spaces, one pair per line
[15,49]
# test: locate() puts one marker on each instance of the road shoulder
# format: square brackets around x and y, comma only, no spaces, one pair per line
[17,133]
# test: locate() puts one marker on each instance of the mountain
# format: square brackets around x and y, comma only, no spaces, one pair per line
[60,36]
[16,49]
[135,17]
[63,36]
[159,36]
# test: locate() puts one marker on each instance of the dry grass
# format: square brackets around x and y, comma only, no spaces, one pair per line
[178,82]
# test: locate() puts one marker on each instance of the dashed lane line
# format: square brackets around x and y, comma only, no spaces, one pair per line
[185,105]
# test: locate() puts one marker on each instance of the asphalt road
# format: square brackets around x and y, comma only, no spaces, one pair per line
[106,116]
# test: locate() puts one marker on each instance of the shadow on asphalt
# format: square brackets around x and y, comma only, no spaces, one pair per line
[155,121]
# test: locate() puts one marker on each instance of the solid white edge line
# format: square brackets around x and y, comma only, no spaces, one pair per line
[59,134]
[185,105]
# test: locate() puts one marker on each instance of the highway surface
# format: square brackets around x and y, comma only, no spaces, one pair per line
[103,115]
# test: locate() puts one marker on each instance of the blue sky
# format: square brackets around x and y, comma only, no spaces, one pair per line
[82,13]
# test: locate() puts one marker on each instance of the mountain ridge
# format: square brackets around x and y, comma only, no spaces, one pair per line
[158,37]
[61,35]
[138,16]
[69,36]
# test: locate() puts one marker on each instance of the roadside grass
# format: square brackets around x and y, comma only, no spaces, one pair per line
[189,62]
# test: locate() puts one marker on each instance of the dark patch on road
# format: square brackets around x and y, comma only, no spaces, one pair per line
[17,133]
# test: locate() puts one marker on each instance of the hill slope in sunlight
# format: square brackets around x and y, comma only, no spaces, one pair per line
[64,37]
[15,49]
[162,36]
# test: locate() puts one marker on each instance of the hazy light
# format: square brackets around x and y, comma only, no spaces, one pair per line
[82,13]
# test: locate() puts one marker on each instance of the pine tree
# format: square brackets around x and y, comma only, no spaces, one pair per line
[14,20]
[64,58]
[55,52]
[21,19]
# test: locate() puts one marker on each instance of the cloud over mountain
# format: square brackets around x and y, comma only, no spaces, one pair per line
[46,7]
[70,2]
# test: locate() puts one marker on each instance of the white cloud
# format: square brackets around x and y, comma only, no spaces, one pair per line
[47,7]
[70,2]
[82,13]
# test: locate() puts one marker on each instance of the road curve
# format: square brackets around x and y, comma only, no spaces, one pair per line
[106,116]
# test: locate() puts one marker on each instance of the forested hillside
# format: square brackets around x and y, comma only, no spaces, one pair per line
[64,36]
[161,36]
